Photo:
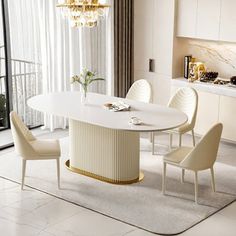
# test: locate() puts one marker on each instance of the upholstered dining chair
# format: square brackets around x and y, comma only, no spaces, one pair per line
[140,91]
[30,148]
[186,100]
[196,159]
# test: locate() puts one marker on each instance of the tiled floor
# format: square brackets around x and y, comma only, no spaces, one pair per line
[29,212]
[33,213]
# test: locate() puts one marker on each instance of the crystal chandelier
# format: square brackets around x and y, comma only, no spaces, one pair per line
[83,13]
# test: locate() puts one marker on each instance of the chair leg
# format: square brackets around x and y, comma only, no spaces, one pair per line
[164,178]
[213,180]
[182,176]
[196,187]
[180,140]
[23,174]
[170,141]
[193,136]
[151,137]
[153,143]
[58,172]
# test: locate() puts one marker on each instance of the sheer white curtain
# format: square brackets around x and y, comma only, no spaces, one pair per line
[26,58]
[62,50]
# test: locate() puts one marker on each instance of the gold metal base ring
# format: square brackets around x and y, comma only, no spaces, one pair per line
[101,178]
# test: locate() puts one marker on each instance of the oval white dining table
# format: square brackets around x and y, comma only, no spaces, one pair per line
[103,144]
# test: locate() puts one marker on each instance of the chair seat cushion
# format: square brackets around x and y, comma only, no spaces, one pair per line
[182,129]
[46,149]
[177,155]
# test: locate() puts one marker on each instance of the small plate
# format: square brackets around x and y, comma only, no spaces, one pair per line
[131,123]
[135,121]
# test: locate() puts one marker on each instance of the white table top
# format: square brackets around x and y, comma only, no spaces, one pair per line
[68,104]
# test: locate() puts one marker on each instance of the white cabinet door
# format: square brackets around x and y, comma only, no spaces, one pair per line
[187,17]
[208,112]
[163,36]
[228,21]
[143,40]
[208,19]
[227,117]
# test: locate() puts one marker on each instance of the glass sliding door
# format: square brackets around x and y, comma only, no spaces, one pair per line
[26,63]
[20,65]
[4,119]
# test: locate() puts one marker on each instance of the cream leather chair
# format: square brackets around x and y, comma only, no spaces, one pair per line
[199,158]
[30,148]
[185,100]
[140,91]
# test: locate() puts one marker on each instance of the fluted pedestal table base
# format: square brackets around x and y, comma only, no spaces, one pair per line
[109,155]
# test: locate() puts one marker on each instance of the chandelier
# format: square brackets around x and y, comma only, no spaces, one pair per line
[83,13]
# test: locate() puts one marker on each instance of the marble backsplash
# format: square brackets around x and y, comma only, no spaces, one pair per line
[217,56]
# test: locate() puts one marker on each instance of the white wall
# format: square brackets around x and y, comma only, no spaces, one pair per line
[154,39]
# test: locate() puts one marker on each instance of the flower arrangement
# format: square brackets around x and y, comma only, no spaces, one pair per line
[85,79]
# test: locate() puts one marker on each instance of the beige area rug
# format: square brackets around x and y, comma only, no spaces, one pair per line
[140,204]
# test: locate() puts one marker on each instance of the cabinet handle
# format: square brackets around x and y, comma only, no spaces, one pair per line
[151,65]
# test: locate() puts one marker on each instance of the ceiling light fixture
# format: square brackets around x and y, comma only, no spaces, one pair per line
[83,13]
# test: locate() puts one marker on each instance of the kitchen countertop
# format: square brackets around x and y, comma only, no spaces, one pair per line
[224,90]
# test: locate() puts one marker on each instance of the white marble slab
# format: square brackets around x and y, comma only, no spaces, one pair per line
[68,104]
[224,90]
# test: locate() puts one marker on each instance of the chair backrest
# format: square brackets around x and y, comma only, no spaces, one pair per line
[186,100]
[21,137]
[140,91]
[203,156]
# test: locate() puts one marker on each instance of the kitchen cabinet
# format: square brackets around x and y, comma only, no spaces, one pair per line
[208,19]
[154,27]
[227,21]
[187,17]
[143,27]
[227,111]
[208,111]
[163,36]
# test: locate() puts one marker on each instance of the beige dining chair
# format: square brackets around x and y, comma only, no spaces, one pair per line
[30,148]
[196,159]
[186,100]
[140,91]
